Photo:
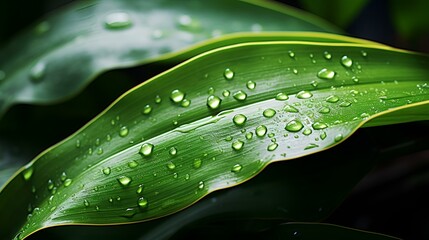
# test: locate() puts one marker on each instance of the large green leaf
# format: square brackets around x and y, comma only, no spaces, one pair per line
[94,176]
[65,51]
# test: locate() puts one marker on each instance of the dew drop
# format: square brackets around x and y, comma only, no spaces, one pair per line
[314,83]
[291,109]
[291,54]
[67,182]
[228,74]
[326,74]
[50,184]
[319,125]
[323,135]
[327,55]
[307,131]
[249,135]
[171,166]
[100,151]
[123,132]
[201,185]
[237,145]
[236,168]
[172,151]
[63,176]
[27,173]
[77,143]
[146,149]
[345,104]
[261,130]
[140,189]
[226,93]
[142,202]
[355,79]
[228,139]
[133,164]
[37,72]
[158,99]
[269,113]
[124,180]
[211,90]
[346,61]
[86,203]
[338,137]
[304,95]
[239,119]
[272,146]
[147,109]
[324,110]
[294,126]
[177,96]
[106,170]
[364,54]
[332,99]
[197,163]
[295,71]
[310,146]
[185,103]
[213,102]
[240,95]
[282,97]
[118,20]
[251,85]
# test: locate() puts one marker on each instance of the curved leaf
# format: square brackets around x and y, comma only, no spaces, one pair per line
[95,176]
[41,66]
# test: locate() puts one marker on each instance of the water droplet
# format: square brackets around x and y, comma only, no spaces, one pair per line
[173,151]
[158,99]
[355,79]
[310,146]
[304,95]
[211,90]
[142,202]
[146,149]
[229,138]
[269,113]
[282,97]
[197,163]
[100,151]
[177,96]
[324,110]
[319,125]
[323,135]
[123,132]
[237,145]
[291,54]
[364,115]
[106,170]
[314,83]
[63,176]
[226,93]
[272,146]
[27,173]
[338,137]
[345,104]
[326,74]
[239,119]
[147,109]
[249,135]
[294,126]
[240,95]
[50,184]
[270,135]
[236,168]
[251,85]
[77,143]
[213,102]
[346,61]
[332,99]
[307,131]
[171,166]
[291,109]
[364,54]
[185,103]
[86,203]
[140,188]
[327,55]
[118,20]
[228,74]
[124,180]
[133,164]
[295,71]
[67,182]
[261,131]
[37,72]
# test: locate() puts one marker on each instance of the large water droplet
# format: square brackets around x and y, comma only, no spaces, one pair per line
[294,126]
[124,180]
[237,145]
[338,137]
[118,20]
[291,109]
[324,110]
[272,146]
[106,170]
[332,99]
[236,168]
[251,85]
[345,104]
[269,113]
[37,72]
[27,173]
[239,119]
[173,151]
[228,74]
[123,132]
[261,131]
[240,95]
[326,74]
[177,96]
[146,149]
[346,61]
[142,202]
[319,125]
[282,96]
[304,95]
[147,109]
[327,55]
[307,131]
[213,102]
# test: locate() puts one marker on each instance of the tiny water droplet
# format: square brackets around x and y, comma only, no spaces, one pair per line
[270,135]
[140,188]
[272,146]
[291,109]
[37,72]
[147,109]
[319,125]
[310,146]
[100,151]
[332,99]
[327,55]
[239,119]
[27,173]
[123,132]
[63,176]
[323,135]
[173,151]
[146,149]
[211,90]
[50,184]
[304,95]
[364,115]
[226,93]
[291,54]
[240,95]
[346,61]
[236,168]
[77,143]
[326,74]
[314,83]
[294,126]
[86,203]
[345,104]
[282,96]
[142,202]
[133,164]
[355,79]
[237,145]
[171,166]
[106,170]
[269,113]
[197,163]
[295,71]
[251,85]
[118,20]
[261,130]
[364,54]
[201,185]
[67,182]
[338,137]
[124,180]
[307,131]
[324,110]
[158,99]
[177,96]
[185,103]
[228,74]
[249,135]
[213,102]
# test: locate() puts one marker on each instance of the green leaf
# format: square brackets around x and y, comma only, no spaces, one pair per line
[170,138]
[61,54]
